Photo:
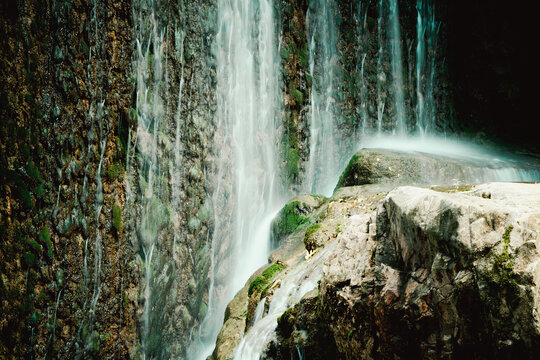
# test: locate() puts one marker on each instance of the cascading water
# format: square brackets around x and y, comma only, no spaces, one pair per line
[362,33]
[397,68]
[381,74]
[325,153]
[427,29]
[294,285]
[247,191]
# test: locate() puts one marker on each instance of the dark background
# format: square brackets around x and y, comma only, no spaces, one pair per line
[493,72]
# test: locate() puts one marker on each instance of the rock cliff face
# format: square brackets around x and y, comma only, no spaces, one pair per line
[66,271]
[70,272]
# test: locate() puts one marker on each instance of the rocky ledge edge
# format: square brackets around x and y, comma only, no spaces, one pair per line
[438,272]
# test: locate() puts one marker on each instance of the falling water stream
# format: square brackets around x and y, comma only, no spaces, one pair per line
[397,68]
[427,29]
[248,191]
[325,152]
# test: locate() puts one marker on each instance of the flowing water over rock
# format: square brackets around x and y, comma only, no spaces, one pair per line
[325,153]
[427,30]
[156,197]
[328,148]
[248,189]
[296,283]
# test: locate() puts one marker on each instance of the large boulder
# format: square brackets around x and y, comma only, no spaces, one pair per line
[429,275]
[395,168]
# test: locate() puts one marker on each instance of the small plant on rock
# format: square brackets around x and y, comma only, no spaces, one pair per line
[503,264]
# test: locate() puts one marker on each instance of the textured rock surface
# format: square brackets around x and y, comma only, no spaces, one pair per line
[63,133]
[69,263]
[393,168]
[443,276]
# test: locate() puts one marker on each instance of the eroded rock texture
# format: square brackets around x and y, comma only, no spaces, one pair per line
[444,276]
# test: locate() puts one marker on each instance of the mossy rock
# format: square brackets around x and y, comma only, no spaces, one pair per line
[45,239]
[117,222]
[292,216]
[309,242]
[391,168]
[295,216]
[293,169]
[260,282]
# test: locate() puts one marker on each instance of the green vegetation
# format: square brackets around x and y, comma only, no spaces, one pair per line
[288,220]
[293,169]
[311,230]
[284,53]
[504,262]
[261,281]
[29,258]
[308,243]
[114,171]
[117,217]
[297,96]
[342,179]
[45,238]
[34,245]
[34,172]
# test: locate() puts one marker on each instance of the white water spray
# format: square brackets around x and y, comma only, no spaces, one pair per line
[247,191]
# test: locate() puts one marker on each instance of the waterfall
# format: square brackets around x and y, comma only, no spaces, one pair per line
[381,74]
[239,52]
[427,30]
[397,68]
[247,191]
[325,153]
[295,283]
[362,34]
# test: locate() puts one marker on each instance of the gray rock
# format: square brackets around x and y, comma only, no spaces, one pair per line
[391,168]
[435,281]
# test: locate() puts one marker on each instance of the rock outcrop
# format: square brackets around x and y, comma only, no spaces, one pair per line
[391,168]
[443,276]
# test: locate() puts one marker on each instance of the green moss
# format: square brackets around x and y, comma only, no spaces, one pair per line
[297,96]
[29,258]
[114,171]
[259,283]
[308,236]
[311,230]
[284,53]
[288,220]
[45,239]
[117,217]
[345,173]
[34,245]
[304,56]
[293,169]
[33,172]
[503,263]
[83,47]
[24,195]
[309,78]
